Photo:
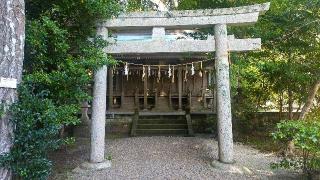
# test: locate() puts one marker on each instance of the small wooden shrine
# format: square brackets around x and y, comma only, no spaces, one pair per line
[152,85]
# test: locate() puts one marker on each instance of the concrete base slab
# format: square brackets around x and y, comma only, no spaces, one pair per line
[231,167]
[96,166]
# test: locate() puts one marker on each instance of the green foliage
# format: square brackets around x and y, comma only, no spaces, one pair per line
[1,110]
[192,4]
[109,157]
[140,5]
[62,52]
[134,5]
[314,114]
[37,123]
[306,137]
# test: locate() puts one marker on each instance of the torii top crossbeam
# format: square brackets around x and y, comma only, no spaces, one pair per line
[189,18]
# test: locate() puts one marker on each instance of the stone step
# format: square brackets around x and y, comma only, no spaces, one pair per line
[162,121]
[162,131]
[162,126]
[179,117]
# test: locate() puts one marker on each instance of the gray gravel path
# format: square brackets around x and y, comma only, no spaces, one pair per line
[179,158]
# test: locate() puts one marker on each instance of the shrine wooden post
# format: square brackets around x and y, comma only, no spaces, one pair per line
[145,92]
[180,88]
[110,84]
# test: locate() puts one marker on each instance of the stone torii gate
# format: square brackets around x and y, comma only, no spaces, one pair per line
[220,43]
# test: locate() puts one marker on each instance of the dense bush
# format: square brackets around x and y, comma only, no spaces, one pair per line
[59,63]
[305,136]
[37,121]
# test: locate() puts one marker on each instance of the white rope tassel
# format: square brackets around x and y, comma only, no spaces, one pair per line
[192,70]
[169,71]
[200,72]
[159,74]
[126,71]
[143,73]
[172,80]
[186,73]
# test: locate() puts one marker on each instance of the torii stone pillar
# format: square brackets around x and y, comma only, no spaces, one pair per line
[223,89]
[98,116]
[98,122]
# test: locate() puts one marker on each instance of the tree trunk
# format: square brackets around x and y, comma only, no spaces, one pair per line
[12,31]
[280,105]
[297,111]
[311,95]
[290,104]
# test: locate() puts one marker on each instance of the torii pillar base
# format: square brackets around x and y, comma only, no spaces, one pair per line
[96,166]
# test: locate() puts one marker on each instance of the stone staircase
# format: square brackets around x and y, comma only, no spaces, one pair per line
[160,124]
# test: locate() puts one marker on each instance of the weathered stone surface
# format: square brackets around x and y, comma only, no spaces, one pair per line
[233,168]
[183,22]
[189,19]
[261,8]
[181,46]
[189,122]
[225,137]
[96,166]
[98,116]
[85,120]
[158,33]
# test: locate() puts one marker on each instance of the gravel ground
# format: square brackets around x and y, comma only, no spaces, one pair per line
[173,158]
